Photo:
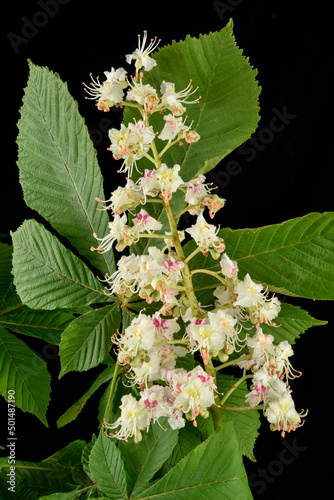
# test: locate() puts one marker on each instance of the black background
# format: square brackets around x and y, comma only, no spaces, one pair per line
[284,177]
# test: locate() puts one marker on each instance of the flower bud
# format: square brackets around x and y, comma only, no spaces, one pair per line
[223,357]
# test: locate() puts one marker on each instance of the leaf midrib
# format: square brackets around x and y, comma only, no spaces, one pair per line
[23,382]
[83,343]
[60,273]
[67,168]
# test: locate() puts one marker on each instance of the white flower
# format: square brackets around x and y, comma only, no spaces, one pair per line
[257,395]
[140,335]
[172,128]
[196,190]
[283,352]
[176,421]
[212,334]
[228,267]
[123,198]
[157,400]
[269,310]
[205,235]
[141,55]
[144,222]
[149,183]
[173,100]
[130,142]
[223,295]
[165,328]
[109,92]
[140,133]
[194,392]
[142,93]
[168,180]
[260,345]
[204,337]
[134,418]
[249,293]
[148,370]
[118,138]
[281,413]
[226,323]
[117,233]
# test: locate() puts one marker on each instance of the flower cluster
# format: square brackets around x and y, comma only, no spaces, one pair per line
[152,349]
[187,394]
[147,348]
[270,365]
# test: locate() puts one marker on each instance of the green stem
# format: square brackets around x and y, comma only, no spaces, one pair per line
[233,388]
[212,273]
[149,157]
[190,256]
[153,200]
[109,406]
[242,408]
[233,362]
[177,216]
[187,281]
[168,145]
[153,235]
[217,416]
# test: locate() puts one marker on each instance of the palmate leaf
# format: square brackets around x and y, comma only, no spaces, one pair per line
[25,373]
[49,276]
[214,469]
[58,167]
[87,340]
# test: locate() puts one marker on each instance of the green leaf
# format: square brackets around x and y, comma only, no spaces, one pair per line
[107,468]
[142,460]
[295,257]
[74,410]
[85,455]
[46,325]
[69,495]
[58,167]
[5,268]
[291,322]
[87,340]
[25,373]
[213,469]
[49,276]
[59,473]
[246,422]
[188,438]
